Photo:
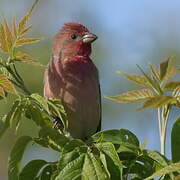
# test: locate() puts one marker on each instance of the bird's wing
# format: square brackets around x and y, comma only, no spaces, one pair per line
[100,111]
[52,80]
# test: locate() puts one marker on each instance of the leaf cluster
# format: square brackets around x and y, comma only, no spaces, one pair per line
[110,154]
[11,38]
[157,90]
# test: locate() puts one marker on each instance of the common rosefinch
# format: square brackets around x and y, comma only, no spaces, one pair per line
[72,77]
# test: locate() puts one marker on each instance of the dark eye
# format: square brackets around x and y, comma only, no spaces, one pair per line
[73,36]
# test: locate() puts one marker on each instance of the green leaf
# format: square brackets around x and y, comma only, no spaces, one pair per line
[156,156]
[175,141]
[170,86]
[73,170]
[133,96]
[167,170]
[12,116]
[4,125]
[74,144]
[31,170]
[114,165]
[66,158]
[52,138]
[136,78]
[46,173]
[115,136]
[103,160]
[139,169]
[41,101]
[57,110]
[93,169]
[38,116]
[16,157]
[157,102]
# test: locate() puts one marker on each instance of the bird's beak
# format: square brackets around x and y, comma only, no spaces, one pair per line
[89,38]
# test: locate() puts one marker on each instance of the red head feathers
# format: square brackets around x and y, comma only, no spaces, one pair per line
[73,39]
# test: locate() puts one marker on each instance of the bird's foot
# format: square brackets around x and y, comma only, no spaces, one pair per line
[57,123]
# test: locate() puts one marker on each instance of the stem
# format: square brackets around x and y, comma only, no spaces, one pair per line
[163,116]
[18,80]
[159,121]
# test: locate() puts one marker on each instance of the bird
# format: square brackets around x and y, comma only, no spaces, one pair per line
[72,77]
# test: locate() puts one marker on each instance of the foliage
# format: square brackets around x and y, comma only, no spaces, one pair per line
[110,154]
[158,92]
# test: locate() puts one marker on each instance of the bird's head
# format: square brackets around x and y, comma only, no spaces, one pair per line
[72,40]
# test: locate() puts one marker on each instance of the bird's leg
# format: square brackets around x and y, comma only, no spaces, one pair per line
[58,123]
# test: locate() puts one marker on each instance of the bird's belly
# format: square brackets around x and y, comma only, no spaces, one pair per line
[81,100]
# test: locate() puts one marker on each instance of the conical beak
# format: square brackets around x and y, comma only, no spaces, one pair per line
[89,38]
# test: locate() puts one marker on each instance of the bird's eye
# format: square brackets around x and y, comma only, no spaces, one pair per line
[73,36]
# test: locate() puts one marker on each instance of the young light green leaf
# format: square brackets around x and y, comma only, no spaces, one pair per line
[6,84]
[170,86]
[26,58]
[167,70]
[14,27]
[23,22]
[175,141]
[3,39]
[25,41]
[25,31]
[133,96]
[154,72]
[2,93]
[176,92]
[9,36]
[157,102]
[114,165]
[176,95]
[166,170]
[154,84]
[136,78]
[16,157]
[32,169]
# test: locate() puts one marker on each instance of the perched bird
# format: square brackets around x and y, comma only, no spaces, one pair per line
[72,77]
